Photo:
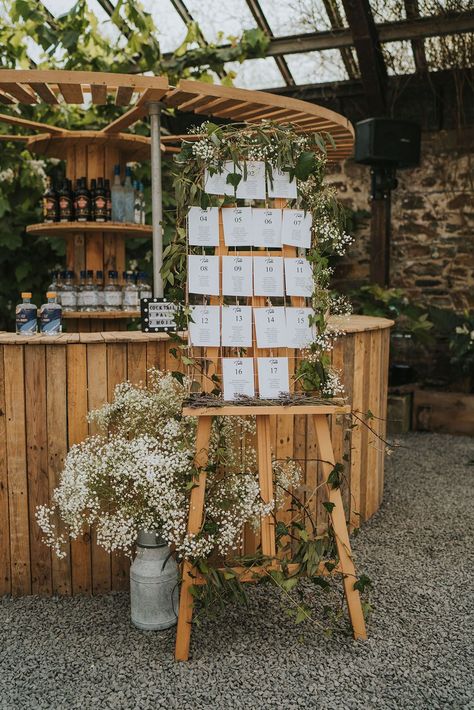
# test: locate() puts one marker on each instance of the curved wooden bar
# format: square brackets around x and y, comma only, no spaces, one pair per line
[47,385]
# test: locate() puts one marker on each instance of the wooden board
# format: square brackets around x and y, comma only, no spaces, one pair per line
[59,229]
[5,578]
[447,412]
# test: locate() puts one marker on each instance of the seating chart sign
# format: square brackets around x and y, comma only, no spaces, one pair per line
[217,184]
[237,222]
[268,276]
[296,228]
[237,276]
[237,326]
[238,377]
[282,185]
[204,328]
[252,184]
[266,227]
[203,274]
[273,377]
[298,277]
[203,227]
[299,332]
[270,327]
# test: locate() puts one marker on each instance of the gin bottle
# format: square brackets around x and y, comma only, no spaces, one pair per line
[80,290]
[90,296]
[128,195]
[144,287]
[131,300]
[99,280]
[26,314]
[50,315]
[117,193]
[112,293]
[67,295]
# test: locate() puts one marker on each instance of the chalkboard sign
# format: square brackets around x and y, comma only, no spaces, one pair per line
[157,315]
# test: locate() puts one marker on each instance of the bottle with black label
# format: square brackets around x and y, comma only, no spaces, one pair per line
[92,196]
[108,199]
[66,207]
[50,315]
[83,202]
[26,316]
[50,203]
[100,202]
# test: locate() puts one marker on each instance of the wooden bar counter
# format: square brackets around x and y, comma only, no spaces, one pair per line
[47,386]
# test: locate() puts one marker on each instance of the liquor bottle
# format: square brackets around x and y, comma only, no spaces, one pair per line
[137,205]
[92,197]
[83,202]
[99,281]
[66,207]
[71,196]
[54,285]
[108,198]
[26,315]
[141,195]
[80,290]
[67,294]
[50,315]
[128,195]
[130,301]
[100,202]
[112,293]
[90,298]
[50,203]
[144,287]
[117,197]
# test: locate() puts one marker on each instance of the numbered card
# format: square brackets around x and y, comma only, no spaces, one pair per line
[266,227]
[299,333]
[237,326]
[268,276]
[217,184]
[298,277]
[252,184]
[296,228]
[237,223]
[203,274]
[270,327]
[282,186]
[237,276]
[237,374]
[203,227]
[204,328]
[273,377]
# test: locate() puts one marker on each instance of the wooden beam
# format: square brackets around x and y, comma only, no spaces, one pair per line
[34,125]
[417,44]
[369,54]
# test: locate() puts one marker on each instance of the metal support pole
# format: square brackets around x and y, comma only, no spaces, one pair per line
[156,197]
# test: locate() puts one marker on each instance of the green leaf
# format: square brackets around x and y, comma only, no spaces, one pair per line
[234,179]
[329,506]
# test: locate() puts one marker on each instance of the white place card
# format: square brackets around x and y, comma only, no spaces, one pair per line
[270,327]
[298,277]
[237,223]
[217,184]
[266,227]
[203,274]
[237,374]
[204,329]
[237,276]
[252,185]
[203,227]
[273,377]
[268,276]
[282,186]
[296,228]
[237,326]
[299,333]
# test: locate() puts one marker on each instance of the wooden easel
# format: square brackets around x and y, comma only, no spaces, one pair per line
[191,575]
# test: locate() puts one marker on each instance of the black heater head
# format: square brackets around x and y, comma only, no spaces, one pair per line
[385,141]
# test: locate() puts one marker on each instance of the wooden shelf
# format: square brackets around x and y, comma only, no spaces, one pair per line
[64,228]
[101,315]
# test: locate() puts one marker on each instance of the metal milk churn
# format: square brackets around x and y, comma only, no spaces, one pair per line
[153,584]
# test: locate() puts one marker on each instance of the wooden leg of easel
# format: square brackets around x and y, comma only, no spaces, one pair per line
[196,507]
[265,475]
[339,525]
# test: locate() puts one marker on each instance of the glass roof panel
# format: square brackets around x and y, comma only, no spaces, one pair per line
[296,17]
[450,52]
[59,7]
[256,74]
[171,28]
[399,57]
[390,11]
[219,19]
[317,67]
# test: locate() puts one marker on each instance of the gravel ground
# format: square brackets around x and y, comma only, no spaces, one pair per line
[418,549]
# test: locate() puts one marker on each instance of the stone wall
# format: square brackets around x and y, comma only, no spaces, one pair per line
[432,247]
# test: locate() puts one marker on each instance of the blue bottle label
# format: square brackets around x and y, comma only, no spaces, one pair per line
[51,320]
[26,320]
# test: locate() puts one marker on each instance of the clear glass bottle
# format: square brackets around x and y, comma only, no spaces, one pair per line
[90,297]
[99,281]
[26,315]
[128,195]
[144,286]
[53,286]
[67,295]
[80,290]
[141,196]
[131,300]
[112,293]
[50,315]
[137,205]
[117,197]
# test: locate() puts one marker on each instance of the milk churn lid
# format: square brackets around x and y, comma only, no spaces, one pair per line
[151,538]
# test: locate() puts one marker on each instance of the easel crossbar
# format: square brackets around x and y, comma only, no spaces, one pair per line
[235,410]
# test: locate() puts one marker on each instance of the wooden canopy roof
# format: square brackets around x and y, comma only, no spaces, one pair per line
[55,87]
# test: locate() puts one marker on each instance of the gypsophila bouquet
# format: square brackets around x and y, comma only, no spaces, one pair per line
[138,473]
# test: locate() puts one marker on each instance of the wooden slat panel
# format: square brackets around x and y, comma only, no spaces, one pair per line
[338,423]
[357,406]
[97,396]
[123,96]
[136,361]
[95,242]
[22,95]
[176,98]
[37,464]
[134,114]
[373,442]
[384,361]
[6,99]
[152,357]
[44,92]
[77,431]
[72,93]
[16,466]
[364,431]
[99,94]
[116,373]
[56,420]
[5,577]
